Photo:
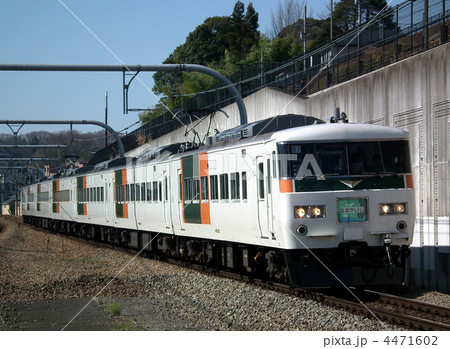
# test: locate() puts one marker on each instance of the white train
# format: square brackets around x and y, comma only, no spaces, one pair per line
[310,203]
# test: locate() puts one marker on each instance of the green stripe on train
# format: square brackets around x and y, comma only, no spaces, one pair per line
[335,184]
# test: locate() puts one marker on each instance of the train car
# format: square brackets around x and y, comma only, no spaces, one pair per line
[305,202]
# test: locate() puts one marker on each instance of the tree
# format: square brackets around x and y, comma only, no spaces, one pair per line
[287,15]
[345,18]
[216,42]
[243,31]
[283,49]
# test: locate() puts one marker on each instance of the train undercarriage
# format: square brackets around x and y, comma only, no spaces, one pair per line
[351,264]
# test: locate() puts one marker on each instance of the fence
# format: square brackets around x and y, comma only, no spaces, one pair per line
[409,28]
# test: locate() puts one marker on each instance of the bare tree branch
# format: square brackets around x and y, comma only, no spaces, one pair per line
[287,13]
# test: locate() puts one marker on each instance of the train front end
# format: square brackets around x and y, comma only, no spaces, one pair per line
[346,204]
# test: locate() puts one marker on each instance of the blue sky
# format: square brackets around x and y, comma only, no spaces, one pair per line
[136,31]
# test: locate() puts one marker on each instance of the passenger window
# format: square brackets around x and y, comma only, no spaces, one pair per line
[166,189]
[127,193]
[214,188]
[234,183]
[224,192]
[244,185]
[261,180]
[155,191]
[149,191]
[204,188]
[180,189]
[143,191]
[138,192]
[196,189]
[274,165]
[187,189]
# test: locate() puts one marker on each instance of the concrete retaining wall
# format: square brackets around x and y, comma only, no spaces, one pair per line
[413,94]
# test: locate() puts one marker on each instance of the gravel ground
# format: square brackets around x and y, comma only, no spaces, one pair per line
[37,266]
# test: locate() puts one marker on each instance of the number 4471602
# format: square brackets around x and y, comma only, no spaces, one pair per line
[411,340]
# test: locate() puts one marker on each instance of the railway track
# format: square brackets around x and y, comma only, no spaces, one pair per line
[408,313]
[405,312]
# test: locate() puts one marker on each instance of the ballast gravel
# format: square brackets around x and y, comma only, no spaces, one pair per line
[37,265]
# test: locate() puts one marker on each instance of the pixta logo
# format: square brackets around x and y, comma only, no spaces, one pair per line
[309,161]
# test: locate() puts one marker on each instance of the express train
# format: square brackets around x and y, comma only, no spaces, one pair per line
[300,200]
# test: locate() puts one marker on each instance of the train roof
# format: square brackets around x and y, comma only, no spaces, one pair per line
[339,132]
[284,128]
[265,126]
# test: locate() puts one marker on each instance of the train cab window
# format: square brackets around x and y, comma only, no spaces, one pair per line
[214,187]
[244,185]
[155,191]
[224,192]
[234,185]
[344,158]
[204,188]
[160,191]
[261,192]
[102,194]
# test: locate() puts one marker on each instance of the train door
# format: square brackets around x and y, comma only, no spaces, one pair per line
[269,186]
[106,201]
[110,197]
[180,212]
[75,199]
[264,197]
[166,198]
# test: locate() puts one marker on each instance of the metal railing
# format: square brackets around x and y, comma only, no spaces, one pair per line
[400,32]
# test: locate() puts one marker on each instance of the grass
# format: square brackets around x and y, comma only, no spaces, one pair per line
[114,308]
[122,323]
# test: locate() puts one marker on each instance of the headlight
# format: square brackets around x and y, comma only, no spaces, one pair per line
[393,208]
[317,211]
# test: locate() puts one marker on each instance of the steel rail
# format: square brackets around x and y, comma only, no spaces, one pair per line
[401,319]
[430,308]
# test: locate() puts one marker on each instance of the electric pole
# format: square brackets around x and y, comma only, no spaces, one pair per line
[106,118]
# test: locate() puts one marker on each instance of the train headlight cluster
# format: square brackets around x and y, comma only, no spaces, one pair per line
[317,211]
[393,208]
